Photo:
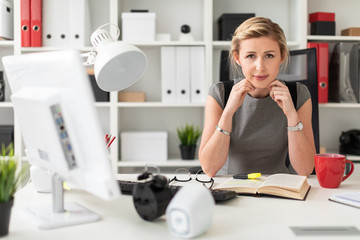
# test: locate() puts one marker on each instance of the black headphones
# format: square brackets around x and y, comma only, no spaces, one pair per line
[152,196]
[350,142]
[158,182]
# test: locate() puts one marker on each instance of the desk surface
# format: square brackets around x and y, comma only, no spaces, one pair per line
[242,218]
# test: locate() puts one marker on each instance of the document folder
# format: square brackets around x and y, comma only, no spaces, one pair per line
[197,74]
[322,61]
[66,23]
[355,70]
[182,74]
[323,72]
[55,23]
[344,74]
[168,75]
[35,23]
[79,15]
[25,23]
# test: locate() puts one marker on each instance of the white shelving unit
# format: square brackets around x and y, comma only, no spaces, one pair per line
[333,38]
[201,16]
[337,117]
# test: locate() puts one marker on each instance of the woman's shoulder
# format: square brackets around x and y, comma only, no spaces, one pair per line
[217,92]
[302,89]
[219,86]
[303,94]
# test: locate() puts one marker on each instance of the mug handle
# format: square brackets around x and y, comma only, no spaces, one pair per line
[351,170]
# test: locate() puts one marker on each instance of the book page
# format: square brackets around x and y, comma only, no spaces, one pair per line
[240,185]
[287,181]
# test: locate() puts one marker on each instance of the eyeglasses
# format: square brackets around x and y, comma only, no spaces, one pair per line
[183,175]
[146,175]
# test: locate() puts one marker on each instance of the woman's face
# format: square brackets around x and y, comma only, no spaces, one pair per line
[260,60]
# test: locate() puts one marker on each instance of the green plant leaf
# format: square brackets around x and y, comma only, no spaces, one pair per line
[188,135]
[10,175]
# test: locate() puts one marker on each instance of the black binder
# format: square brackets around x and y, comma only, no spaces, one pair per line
[344,73]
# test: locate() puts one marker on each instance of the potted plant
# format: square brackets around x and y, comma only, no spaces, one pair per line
[188,136]
[10,178]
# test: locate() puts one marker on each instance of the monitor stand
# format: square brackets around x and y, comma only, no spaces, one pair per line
[45,217]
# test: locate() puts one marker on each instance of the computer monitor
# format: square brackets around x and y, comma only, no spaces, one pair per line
[54,107]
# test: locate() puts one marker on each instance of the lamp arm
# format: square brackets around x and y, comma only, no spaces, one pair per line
[111,24]
[90,57]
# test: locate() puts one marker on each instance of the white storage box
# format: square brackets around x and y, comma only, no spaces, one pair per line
[144,146]
[7,20]
[138,26]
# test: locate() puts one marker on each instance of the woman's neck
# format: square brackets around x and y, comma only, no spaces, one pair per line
[260,93]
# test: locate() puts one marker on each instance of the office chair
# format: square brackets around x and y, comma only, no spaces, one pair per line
[302,68]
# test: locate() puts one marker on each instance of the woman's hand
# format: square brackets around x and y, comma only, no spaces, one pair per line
[237,95]
[279,92]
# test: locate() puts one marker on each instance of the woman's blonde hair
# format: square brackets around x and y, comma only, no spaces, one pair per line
[258,27]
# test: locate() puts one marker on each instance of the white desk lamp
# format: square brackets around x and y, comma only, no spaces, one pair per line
[117,65]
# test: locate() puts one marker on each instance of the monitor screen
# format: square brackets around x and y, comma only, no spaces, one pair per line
[54,107]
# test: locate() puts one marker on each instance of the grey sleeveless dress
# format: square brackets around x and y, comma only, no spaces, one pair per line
[259,141]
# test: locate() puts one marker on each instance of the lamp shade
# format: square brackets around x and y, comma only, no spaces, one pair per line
[118,65]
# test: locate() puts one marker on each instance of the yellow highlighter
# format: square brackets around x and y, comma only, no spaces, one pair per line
[247,175]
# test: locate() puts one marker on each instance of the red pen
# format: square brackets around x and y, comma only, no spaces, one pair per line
[111,141]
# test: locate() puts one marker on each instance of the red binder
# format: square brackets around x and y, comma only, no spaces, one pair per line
[35,23]
[322,60]
[323,72]
[25,23]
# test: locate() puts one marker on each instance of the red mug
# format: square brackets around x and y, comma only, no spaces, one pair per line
[330,169]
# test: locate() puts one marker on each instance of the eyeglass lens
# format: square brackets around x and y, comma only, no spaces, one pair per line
[181,175]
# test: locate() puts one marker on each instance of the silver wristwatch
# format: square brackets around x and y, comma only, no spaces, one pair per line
[298,127]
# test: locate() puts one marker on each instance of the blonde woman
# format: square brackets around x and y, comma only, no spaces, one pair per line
[259,126]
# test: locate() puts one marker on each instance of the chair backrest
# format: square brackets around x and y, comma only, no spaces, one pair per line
[302,68]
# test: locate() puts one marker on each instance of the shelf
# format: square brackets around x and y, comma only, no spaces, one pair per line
[158,104]
[221,44]
[226,44]
[169,43]
[48,49]
[339,105]
[139,44]
[102,104]
[7,43]
[6,105]
[169,163]
[332,38]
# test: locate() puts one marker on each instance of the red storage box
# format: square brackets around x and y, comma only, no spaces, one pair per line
[322,16]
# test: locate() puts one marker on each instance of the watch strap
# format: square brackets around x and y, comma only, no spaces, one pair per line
[297,127]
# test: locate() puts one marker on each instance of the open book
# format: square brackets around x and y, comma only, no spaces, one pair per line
[281,185]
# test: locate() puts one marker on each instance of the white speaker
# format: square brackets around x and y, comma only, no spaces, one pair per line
[190,212]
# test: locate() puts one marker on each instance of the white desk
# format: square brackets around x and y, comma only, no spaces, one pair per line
[245,217]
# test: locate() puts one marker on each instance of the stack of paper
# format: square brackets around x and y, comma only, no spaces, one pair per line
[348,198]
